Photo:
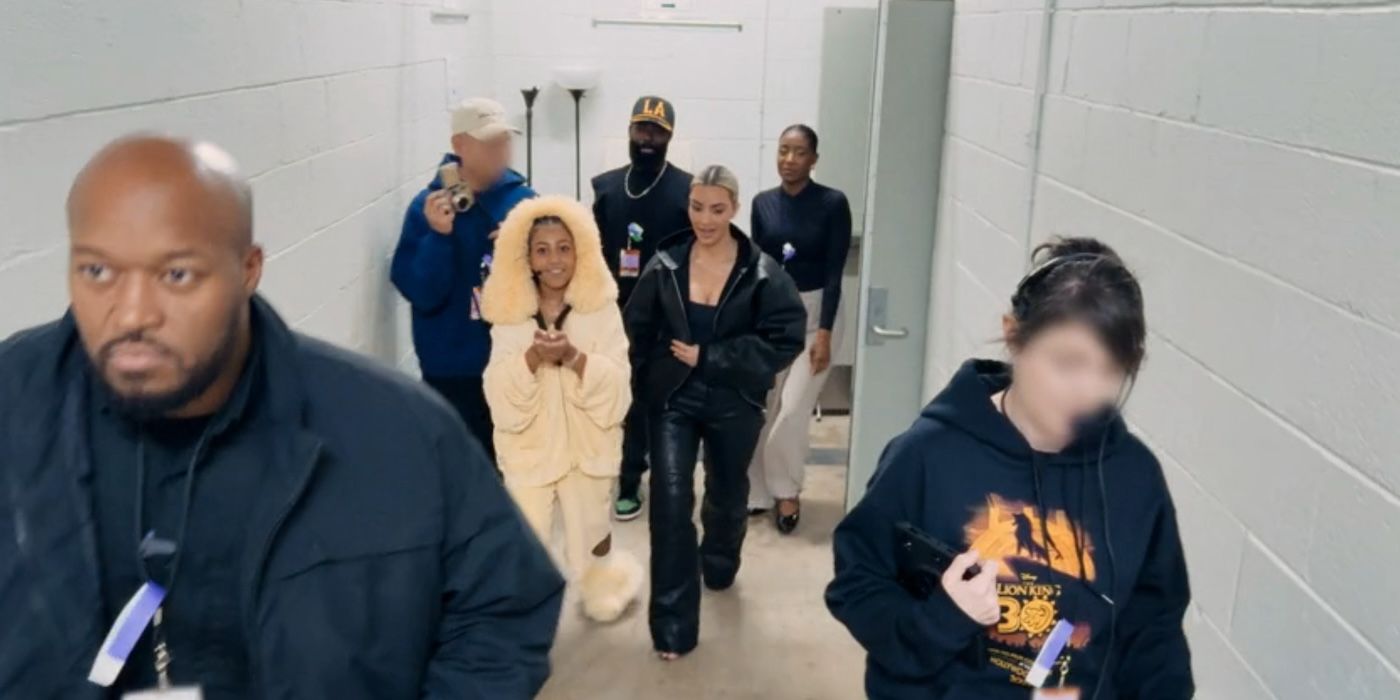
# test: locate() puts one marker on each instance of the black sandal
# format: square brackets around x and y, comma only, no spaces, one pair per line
[787,523]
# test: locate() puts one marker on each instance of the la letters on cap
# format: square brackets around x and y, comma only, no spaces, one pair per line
[655,110]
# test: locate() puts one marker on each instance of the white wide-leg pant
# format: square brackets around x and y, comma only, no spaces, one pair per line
[585,503]
[780,463]
[608,584]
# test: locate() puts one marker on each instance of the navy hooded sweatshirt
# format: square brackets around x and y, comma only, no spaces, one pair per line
[437,275]
[964,474]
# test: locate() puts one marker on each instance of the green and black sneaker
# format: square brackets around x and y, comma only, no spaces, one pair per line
[628,506]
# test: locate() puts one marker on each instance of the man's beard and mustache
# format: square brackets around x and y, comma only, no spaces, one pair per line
[647,162]
[144,407]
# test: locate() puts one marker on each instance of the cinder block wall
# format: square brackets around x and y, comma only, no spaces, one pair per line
[1245,159]
[733,90]
[336,108]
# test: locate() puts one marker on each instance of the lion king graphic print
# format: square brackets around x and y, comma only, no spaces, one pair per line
[1028,548]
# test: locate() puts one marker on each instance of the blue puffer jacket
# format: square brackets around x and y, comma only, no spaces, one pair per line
[385,560]
[437,274]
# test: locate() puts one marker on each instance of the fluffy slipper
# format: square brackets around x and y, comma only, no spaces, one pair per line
[610,585]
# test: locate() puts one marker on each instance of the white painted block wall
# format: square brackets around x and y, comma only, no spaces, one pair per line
[336,108]
[1245,160]
[734,91]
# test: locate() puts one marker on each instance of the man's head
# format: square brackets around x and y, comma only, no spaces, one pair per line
[481,139]
[649,136]
[162,269]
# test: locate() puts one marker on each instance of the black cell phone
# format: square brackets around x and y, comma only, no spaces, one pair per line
[922,558]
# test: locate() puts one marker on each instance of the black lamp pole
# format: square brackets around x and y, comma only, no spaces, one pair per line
[578,143]
[530,95]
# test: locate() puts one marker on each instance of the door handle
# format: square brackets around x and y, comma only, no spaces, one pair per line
[877,308]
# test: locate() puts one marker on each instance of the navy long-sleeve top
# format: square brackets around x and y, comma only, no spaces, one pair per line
[810,232]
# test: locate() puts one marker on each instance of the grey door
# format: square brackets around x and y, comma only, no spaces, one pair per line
[911,95]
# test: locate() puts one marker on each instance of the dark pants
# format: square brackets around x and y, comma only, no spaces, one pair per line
[729,428]
[469,398]
[634,450]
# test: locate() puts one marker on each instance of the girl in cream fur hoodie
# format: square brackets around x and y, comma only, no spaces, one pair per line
[559,385]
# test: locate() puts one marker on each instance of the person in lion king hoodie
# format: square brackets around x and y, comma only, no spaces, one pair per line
[559,385]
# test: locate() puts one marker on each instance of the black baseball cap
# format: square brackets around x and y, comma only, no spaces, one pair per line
[654,110]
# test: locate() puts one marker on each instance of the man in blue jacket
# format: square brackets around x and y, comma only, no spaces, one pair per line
[444,254]
[250,511]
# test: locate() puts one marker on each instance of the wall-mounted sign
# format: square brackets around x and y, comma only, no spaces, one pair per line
[667,5]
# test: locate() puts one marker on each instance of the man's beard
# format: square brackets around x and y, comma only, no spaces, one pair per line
[146,407]
[647,162]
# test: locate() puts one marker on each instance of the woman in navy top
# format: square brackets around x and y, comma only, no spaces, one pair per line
[807,226]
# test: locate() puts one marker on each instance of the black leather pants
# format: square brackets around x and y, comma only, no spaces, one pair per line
[729,428]
[634,449]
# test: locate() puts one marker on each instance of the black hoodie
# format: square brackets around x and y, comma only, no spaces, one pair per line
[964,474]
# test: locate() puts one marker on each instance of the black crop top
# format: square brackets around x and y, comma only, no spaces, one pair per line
[702,322]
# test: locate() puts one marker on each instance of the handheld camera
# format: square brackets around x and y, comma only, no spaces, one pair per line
[458,192]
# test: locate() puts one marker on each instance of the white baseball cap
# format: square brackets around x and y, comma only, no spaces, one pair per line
[481,118]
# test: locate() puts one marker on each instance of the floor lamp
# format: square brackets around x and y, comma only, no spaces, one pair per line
[578,81]
[530,94]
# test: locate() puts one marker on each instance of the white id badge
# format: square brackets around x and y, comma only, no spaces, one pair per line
[125,631]
[629,263]
[1056,694]
[1049,653]
[184,692]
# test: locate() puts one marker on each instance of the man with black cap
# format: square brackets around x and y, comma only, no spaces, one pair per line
[637,206]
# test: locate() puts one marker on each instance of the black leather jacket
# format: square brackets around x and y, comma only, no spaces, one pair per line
[760,325]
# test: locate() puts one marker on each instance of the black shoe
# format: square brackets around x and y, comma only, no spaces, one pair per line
[720,582]
[787,523]
[755,512]
[717,572]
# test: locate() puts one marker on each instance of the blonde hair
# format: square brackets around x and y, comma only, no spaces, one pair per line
[718,176]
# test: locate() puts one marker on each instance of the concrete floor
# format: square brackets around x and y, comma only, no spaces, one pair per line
[768,637]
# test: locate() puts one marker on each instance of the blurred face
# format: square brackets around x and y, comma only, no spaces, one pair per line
[160,288]
[552,257]
[1063,374]
[483,162]
[711,209]
[795,158]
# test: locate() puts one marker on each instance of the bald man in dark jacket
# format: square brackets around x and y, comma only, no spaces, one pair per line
[321,527]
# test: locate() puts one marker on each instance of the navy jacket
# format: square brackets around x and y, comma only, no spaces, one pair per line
[438,273]
[384,559]
[965,475]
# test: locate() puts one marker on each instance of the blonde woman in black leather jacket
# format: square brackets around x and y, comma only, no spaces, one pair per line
[712,321]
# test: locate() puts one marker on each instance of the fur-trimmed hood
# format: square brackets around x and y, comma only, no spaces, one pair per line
[510,295]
